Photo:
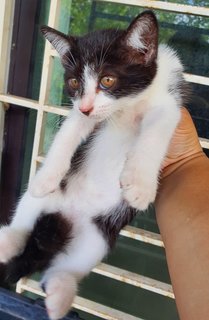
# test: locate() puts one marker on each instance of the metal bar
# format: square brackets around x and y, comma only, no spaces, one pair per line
[40,159]
[6,26]
[204,143]
[166,6]
[196,79]
[54,53]
[131,278]
[26,284]
[80,303]
[39,136]
[61,111]
[135,280]
[47,63]
[28,103]
[142,235]
[101,311]
[44,89]
[19,101]
[33,104]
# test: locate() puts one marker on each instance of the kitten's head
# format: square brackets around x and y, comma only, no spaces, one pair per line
[103,67]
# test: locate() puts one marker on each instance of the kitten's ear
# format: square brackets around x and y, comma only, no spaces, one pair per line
[60,41]
[142,38]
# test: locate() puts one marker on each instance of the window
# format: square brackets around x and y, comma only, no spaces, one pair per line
[135,275]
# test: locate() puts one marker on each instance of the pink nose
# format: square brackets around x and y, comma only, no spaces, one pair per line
[86,109]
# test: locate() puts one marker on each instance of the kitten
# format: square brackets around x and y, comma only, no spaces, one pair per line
[104,162]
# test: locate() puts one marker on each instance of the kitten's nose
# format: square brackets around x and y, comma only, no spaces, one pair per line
[86,110]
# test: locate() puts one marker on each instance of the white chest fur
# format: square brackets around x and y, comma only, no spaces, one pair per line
[96,187]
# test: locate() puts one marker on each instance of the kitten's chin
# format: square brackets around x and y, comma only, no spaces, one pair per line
[98,117]
[102,116]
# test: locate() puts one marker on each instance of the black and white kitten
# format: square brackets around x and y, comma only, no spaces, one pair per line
[126,95]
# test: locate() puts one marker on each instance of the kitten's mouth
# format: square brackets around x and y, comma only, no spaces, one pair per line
[87,113]
[93,113]
[97,117]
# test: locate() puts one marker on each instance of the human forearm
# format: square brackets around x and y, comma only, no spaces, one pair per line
[182,209]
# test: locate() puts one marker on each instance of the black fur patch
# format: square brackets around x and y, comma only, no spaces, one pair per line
[110,224]
[50,235]
[79,157]
[77,160]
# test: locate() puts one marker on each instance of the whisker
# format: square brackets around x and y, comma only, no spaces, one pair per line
[68,104]
[101,53]
[71,61]
[108,47]
[72,57]
[111,119]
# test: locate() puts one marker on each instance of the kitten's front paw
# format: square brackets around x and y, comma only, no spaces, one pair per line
[139,188]
[60,292]
[11,243]
[43,184]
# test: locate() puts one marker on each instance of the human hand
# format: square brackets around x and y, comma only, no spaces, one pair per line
[182,209]
[184,144]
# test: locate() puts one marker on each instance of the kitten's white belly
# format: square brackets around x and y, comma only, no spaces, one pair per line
[97,186]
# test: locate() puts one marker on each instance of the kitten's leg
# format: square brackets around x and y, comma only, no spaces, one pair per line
[73,131]
[139,178]
[13,236]
[60,281]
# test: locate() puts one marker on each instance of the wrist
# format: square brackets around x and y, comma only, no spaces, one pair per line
[181,188]
[178,163]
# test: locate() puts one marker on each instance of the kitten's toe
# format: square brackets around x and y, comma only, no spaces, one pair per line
[11,243]
[60,291]
[139,196]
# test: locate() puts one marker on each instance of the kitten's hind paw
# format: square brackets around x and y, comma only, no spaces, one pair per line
[11,243]
[60,291]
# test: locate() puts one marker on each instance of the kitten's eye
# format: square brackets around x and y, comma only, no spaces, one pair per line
[107,82]
[73,83]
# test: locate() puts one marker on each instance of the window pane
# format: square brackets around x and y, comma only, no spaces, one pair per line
[57,83]
[52,123]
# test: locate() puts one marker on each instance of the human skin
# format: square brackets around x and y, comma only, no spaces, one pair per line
[182,211]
